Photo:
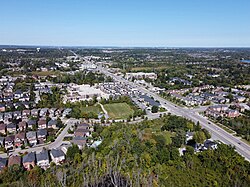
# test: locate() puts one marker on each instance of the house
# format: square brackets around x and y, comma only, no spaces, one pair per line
[208,144]
[9,142]
[2,141]
[189,136]
[26,114]
[232,113]
[42,159]
[52,112]
[79,141]
[1,116]
[2,128]
[7,116]
[42,124]
[18,94]
[29,161]
[52,124]
[66,112]
[31,123]
[22,126]
[19,139]
[83,126]
[57,156]
[17,115]
[82,132]
[11,128]
[14,160]
[2,108]
[43,112]
[3,163]
[34,112]
[31,137]
[59,112]
[42,134]
[239,99]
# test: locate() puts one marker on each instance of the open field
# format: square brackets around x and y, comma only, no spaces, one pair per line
[119,110]
[95,109]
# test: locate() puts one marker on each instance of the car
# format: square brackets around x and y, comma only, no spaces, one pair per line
[209,123]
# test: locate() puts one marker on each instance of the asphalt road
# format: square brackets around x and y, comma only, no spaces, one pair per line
[216,132]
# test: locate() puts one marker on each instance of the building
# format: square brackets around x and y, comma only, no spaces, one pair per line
[42,159]
[29,161]
[57,156]
[141,75]
[31,137]
[14,160]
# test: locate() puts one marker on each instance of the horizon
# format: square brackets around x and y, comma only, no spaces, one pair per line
[126,24]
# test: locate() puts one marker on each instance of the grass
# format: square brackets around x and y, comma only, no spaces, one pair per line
[45,73]
[119,110]
[148,68]
[95,109]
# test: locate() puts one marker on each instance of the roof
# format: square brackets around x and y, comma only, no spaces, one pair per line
[10,138]
[14,160]
[42,132]
[30,157]
[44,155]
[151,101]
[20,135]
[31,122]
[3,162]
[31,134]
[52,122]
[11,125]
[56,153]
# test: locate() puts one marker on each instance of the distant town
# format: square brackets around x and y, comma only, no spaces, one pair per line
[57,102]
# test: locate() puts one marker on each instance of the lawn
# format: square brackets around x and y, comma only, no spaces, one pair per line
[119,110]
[95,109]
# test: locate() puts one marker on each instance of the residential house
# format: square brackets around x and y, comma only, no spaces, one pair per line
[52,112]
[7,117]
[9,142]
[31,137]
[42,134]
[19,139]
[82,132]
[42,159]
[29,161]
[26,114]
[2,108]
[3,163]
[232,113]
[83,126]
[1,116]
[57,156]
[22,125]
[189,136]
[52,124]
[31,123]
[14,160]
[2,128]
[59,112]
[42,124]
[34,112]
[43,112]
[66,112]
[208,144]
[11,128]
[79,141]
[17,115]
[18,94]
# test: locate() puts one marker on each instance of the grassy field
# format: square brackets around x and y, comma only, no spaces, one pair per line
[95,109]
[45,73]
[119,110]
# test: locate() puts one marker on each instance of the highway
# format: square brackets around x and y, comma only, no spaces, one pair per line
[216,132]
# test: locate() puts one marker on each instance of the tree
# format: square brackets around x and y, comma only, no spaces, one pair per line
[155,109]
[72,151]
[199,137]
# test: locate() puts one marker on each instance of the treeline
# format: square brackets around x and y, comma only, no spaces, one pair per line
[139,155]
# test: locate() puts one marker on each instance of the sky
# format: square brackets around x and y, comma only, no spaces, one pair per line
[135,23]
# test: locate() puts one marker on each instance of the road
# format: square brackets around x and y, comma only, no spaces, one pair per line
[216,132]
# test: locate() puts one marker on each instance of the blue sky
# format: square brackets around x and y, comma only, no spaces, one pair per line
[168,23]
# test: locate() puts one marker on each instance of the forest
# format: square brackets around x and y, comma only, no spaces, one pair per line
[143,154]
